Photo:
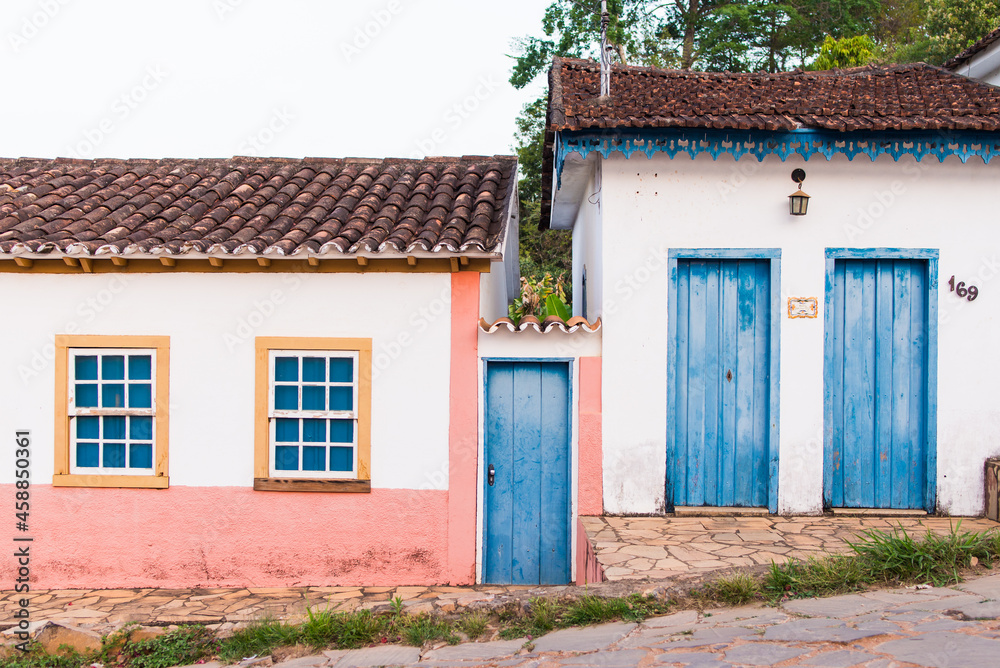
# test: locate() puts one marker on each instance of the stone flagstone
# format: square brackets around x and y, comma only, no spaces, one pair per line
[944,650]
[835,606]
[387,655]
[624,658]
[843,658]
[763,654]
[709,636]
[584,639]
[988,587]
[816,630]
[476,651]
[985,610]
[692,659]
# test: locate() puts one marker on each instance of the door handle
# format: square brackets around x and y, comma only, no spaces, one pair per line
[490,475]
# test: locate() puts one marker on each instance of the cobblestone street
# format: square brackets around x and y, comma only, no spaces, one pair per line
[931,627]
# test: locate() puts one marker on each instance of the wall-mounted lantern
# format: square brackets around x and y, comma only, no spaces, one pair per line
[798,201]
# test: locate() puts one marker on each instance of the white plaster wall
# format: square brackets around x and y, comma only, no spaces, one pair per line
[587,248]
[493,292]
[984,66]
[531,344]
[653,205]
[212,321]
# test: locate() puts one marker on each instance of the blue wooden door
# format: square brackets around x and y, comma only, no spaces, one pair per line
[877,453]
[721,384]
[526,523]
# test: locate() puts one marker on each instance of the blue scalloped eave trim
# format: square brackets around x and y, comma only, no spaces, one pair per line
[761,143]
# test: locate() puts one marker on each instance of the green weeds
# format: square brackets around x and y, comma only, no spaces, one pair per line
[543,615]
[473,624]
[735,589]
[179,647]
[885,558]
[423,629]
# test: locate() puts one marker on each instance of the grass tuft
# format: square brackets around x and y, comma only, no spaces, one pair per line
[735,589]
[545,615]
[473,624]
[420,630]
[257,639]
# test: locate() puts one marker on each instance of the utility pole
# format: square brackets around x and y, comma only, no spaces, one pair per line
[605,51]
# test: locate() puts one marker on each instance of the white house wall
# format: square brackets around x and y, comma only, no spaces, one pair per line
[587,249]
[652,205]
[212,322]
[984,66]
[493,292]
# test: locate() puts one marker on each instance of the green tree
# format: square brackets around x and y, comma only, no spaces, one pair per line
[763,36]
[572,29]
[955,25]
[845,52]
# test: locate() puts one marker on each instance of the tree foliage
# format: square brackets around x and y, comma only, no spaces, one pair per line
[845,52]
[948,27]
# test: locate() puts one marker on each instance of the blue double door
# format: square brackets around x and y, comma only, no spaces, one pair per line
[526,471]
[880,357]
[722,430]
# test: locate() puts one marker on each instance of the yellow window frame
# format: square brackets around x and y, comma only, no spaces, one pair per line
[263,481]
[62,476]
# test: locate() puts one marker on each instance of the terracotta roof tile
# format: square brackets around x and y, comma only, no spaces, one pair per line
[915,96]
[530,323]
[255,206]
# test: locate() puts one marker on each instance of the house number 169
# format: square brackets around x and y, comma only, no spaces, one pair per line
[969,292]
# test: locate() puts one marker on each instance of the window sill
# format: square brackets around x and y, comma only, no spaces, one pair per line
[312,485]
[136,481]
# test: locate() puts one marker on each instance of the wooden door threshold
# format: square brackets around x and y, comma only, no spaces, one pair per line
[718,511]
[877,512]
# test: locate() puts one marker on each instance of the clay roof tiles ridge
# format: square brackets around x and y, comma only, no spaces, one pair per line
[255,206]
[864,98]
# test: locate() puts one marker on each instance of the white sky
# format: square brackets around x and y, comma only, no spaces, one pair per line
[289,78]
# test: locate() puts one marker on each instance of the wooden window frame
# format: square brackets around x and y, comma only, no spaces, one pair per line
[263,480]
[63,476]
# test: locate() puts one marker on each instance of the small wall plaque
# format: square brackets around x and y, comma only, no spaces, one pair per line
[803,307]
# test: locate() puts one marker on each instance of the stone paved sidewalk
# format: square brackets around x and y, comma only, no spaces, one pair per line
[684,548]
[932,627]
[678,549]
[105,609]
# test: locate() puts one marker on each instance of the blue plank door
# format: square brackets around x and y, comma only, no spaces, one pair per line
[877,453]
[527,508]
[721,384]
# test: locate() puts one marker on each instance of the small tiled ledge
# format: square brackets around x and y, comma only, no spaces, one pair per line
[306,485]
[137,481]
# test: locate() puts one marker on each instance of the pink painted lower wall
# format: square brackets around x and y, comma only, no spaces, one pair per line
[232,536]
[588,569]
[591,475]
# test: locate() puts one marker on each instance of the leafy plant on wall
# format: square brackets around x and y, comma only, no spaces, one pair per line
[541,297]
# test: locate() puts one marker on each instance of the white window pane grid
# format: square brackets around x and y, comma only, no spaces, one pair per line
[301,445]
[110,429]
